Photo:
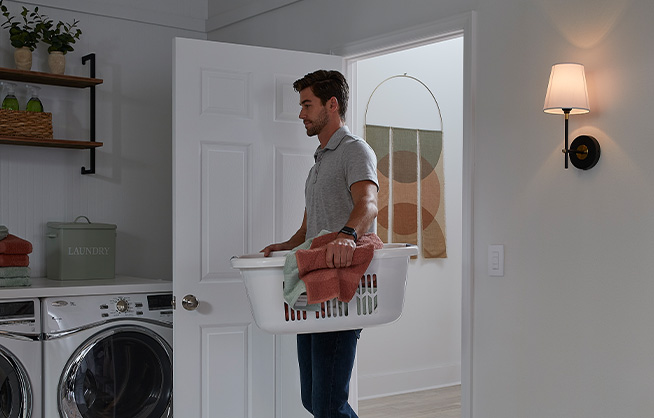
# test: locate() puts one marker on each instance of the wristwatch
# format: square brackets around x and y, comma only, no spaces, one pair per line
[349,231]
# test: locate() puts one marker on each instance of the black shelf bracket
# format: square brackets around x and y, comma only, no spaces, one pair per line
[91,58]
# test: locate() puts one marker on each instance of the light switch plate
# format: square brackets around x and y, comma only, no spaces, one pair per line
[496,260]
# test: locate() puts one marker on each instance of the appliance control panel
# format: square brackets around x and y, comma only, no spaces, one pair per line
[20,317]
[64,313]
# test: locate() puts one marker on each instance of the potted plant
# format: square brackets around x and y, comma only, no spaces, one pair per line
[61,38]
[23,36]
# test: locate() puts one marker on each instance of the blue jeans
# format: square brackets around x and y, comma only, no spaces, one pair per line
[326,361]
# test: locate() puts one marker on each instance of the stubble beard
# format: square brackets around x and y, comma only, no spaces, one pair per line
[318,124]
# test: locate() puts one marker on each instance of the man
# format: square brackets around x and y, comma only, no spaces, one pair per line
[340,195]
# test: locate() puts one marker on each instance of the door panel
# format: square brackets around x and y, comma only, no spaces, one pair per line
[240,157]
[216,160]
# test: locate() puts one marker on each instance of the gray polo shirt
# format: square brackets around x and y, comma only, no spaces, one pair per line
[345,160]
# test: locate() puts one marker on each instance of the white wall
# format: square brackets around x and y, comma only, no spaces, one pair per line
[422,349]
[132,187]
[567,332]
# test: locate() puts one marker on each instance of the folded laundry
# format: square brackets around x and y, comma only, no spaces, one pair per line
[15,281]
[324,283]
[9,272]
[14,260]
[3,232]
[14,245]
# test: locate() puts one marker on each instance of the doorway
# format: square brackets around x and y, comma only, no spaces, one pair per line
[423,349]
[230,342]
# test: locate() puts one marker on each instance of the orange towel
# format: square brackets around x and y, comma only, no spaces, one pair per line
[14,260]
[324,283]
[14,245]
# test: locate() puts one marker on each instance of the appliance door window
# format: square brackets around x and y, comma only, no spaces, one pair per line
[15,388]
[124,371]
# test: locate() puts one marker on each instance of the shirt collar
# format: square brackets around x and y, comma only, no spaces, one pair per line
[334,141]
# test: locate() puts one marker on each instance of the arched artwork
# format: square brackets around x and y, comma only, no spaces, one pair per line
[409,151]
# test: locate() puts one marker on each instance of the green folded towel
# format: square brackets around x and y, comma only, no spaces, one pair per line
[8,272]
[3,232]
[293,286]
[15,282]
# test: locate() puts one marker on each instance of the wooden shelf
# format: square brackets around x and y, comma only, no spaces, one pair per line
[36,77]
[47,78]
[52,143]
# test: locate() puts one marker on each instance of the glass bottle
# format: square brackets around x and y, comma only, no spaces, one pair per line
[10,101]
[34,103]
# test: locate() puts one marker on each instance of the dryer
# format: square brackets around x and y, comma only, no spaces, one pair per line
[20,358]
[108,356]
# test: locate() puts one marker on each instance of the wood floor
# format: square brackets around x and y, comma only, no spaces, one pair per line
[435,403]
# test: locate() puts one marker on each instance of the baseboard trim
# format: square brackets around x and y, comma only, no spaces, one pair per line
[376,385]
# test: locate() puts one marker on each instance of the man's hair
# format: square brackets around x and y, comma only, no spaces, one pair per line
[326,84]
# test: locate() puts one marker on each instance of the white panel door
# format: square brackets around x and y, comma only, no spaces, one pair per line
[240,157]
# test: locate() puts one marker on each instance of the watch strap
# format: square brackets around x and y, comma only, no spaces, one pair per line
[349,231]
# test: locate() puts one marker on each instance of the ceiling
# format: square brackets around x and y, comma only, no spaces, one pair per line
[226,12]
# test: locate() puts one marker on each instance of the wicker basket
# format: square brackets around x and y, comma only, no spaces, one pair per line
[25,124]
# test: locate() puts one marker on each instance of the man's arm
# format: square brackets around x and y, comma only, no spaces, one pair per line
[364,196]
[341,250]
[298,238]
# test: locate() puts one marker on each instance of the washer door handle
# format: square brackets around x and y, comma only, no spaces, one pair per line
[190,302]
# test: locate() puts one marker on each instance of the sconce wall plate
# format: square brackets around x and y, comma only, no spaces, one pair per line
[584,152]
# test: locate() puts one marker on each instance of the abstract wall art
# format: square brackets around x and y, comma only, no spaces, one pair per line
[411,180]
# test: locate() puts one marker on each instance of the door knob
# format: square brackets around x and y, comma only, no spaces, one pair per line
[190,303]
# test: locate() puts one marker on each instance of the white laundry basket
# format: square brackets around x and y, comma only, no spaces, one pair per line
[378,300]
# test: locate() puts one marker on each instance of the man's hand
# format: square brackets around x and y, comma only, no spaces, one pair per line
[282,246]
[340,251]
[297,239]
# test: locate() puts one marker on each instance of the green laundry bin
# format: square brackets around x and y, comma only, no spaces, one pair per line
[80,250]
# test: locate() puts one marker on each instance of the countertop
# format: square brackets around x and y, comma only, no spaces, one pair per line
[42,287]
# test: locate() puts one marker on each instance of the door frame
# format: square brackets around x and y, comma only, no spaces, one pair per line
[460,25]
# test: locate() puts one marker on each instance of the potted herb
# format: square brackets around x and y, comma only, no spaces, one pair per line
[61,38]
[23,36]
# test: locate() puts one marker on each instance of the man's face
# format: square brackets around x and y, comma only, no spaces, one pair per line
[313,113]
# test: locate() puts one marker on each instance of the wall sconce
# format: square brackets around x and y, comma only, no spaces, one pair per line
[567,95]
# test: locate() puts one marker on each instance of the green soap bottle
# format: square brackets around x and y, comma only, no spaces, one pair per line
[10,102]
[34,103]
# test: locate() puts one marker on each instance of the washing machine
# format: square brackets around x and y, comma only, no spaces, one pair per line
[108,356]
[20,358]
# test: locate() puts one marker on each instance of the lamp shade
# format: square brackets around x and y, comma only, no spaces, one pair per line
[567,90]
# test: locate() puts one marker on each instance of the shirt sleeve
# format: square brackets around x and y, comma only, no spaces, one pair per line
[360,163]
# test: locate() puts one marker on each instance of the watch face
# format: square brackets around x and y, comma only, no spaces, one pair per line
[349,231]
